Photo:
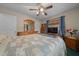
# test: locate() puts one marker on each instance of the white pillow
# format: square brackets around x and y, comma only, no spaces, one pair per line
[2,37]
[5,38]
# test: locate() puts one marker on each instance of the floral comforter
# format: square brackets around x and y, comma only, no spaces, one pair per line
[35,45]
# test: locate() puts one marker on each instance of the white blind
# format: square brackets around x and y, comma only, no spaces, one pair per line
[7,24]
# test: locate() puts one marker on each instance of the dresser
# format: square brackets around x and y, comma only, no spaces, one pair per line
[29,28]
[26,33]
[72,42]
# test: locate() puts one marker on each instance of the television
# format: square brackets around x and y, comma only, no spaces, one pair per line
[53,30]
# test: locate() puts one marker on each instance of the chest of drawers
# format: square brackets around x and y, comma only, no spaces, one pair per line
[72,42]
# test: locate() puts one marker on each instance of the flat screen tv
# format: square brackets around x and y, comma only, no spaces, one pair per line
[53,30]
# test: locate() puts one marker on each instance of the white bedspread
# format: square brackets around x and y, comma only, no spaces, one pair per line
[35,45]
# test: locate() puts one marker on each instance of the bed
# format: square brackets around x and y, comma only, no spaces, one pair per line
[33,45]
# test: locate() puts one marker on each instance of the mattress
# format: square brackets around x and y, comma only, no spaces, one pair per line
[35,45]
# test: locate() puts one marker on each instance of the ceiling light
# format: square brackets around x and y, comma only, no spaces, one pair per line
[41,9]
[37,12]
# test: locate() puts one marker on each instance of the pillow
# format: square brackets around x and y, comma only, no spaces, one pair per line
[4,38]
[77,35]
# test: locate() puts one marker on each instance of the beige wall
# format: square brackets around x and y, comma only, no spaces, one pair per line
[71,18]
[20,18]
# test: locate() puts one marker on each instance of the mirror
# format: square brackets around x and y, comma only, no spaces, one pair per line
[28,25]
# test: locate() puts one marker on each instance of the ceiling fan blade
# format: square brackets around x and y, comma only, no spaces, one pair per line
[45,13]
[32,9]
[37,14]
[49,7]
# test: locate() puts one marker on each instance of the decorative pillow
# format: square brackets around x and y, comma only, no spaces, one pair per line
[77,36]
[4,38]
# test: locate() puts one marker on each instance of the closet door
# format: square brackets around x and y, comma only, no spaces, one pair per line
[7,24]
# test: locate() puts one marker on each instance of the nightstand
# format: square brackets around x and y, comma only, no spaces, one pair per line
[72,42]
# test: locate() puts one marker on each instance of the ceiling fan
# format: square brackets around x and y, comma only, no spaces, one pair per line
[41,9]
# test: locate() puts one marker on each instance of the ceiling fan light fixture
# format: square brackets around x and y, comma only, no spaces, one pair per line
[41,9]
[37,12]
[42,13]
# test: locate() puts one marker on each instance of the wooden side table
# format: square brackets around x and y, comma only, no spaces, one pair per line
[72,42]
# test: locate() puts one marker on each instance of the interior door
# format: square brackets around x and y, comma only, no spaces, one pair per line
[7,24]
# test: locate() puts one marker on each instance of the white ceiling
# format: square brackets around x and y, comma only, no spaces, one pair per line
[24,8]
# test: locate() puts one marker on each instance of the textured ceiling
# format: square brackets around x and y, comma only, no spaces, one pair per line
[24,8]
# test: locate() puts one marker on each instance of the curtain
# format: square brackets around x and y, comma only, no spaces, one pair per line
[62,26]
[47,26]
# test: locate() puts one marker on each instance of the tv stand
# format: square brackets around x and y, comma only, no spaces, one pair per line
[53,34]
